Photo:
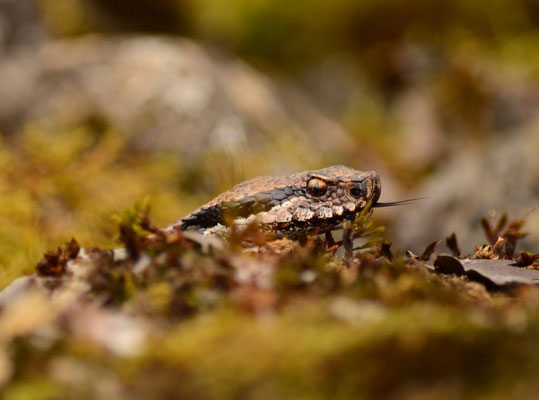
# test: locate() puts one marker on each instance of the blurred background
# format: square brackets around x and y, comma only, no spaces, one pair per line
[105,103]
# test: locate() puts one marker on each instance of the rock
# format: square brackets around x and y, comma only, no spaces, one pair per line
[20,25]
[501,175]
[492,273]
[17,288]
[163,93]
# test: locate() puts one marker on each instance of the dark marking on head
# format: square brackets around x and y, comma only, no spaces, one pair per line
[204,218]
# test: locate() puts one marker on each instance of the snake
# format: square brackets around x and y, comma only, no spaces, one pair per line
[315,201]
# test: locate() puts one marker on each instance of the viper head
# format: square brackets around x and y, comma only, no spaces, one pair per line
[342,186]
[307,201]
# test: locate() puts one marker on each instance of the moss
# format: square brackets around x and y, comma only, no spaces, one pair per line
[222,324]
[308,352]
[61,184]
[39,389]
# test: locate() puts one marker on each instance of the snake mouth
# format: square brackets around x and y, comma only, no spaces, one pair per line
[312,226]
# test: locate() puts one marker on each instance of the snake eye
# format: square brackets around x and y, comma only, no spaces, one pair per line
[356,191]
[317,187]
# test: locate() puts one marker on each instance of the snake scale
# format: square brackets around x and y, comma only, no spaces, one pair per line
[305,202]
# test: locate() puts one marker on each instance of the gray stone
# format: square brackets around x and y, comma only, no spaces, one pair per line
[503,176]
[165,93]
[489,272]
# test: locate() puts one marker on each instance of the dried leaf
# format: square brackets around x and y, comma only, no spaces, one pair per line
[54,263]
[489,231]
[501,224]
[525,259]
[451,243]
[509,231]
[484,252]
[411,255]
[429,250]
[131,241]
[385,250]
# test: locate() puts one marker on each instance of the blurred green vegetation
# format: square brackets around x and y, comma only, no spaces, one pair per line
[292,36]
[302,324]
[56,185]
[464,57]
